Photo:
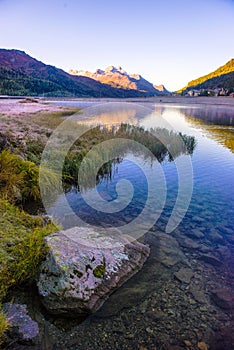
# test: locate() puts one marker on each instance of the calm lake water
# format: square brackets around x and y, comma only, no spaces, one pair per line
[154,309]
[212,164]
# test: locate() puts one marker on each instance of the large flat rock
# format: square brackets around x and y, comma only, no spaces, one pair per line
[84,266]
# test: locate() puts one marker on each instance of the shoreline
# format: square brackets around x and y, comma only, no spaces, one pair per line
[33,118]
[225,100]
[14,105]
[219,101]
[183,269]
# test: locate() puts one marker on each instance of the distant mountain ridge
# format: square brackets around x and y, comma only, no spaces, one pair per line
[223,77]
[20,74]
[118,78]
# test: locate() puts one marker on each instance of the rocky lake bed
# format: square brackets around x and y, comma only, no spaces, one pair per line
[181,298]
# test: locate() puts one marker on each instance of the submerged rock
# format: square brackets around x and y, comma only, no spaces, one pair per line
[215,237]
[211,259]
[198,294]
[195,233]
[84,266]
[184,275]
[202,345]
[223,297]
[22,328]
[165,248]
[188,243]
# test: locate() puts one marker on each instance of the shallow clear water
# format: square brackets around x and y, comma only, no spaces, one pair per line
[155,309]
[212,164]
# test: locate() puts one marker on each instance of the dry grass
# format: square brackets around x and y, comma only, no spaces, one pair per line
[51,120]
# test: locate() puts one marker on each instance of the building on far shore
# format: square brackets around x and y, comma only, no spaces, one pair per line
[208,92]
[194,93]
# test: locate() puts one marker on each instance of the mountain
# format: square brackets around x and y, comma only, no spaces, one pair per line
[223,77]
[20,74]
[118,78]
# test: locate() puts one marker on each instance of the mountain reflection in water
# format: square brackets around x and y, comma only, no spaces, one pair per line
[183,296]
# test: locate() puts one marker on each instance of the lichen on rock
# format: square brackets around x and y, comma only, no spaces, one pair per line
[84,266]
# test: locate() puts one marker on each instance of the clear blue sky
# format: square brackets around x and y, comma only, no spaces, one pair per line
[168,41]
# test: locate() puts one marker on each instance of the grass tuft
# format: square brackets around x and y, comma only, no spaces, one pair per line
[3,326]
[22,249]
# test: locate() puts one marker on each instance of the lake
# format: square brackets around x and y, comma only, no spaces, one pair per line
[184,293]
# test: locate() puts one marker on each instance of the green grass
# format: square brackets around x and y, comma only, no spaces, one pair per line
[19,178]
[3,326]
[21,245]
[22,249]
[21,236]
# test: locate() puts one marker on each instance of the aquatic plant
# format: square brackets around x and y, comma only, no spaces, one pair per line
[161,143]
